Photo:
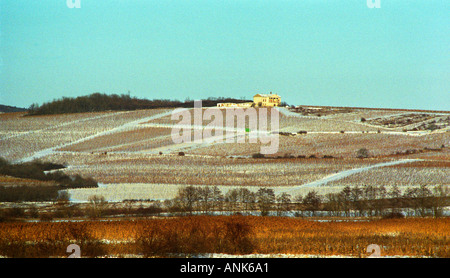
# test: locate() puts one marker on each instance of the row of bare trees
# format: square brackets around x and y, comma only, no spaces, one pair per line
[377,201]
[359,201]
[351,201]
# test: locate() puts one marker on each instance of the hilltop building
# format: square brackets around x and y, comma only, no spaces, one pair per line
[259,100]
[266,100]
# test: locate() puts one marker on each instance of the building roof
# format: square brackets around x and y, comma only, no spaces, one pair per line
[266,95]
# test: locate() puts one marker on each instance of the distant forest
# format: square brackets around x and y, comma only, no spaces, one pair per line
[8,109]
[97,102]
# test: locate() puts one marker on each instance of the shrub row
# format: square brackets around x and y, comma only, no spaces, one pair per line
[36,170]
[97,102]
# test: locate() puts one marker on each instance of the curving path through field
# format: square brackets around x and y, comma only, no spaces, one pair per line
[347,173]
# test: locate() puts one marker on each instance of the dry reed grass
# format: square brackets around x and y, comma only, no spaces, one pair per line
[414,237]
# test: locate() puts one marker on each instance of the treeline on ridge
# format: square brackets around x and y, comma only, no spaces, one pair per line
[98,102]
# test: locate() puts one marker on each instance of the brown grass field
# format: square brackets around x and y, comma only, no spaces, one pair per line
[237,235]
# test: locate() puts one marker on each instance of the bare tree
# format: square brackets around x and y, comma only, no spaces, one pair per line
[217,198]
[380,204]
[283,202]
[63,206]
[187,197]
[96,205]
[411,198]
[424,200]
[440,194]
[298,200]
[232,198]
[312,202]
[356,195]
[345,197]
[333,204]
[395,196]
[205,196]
[370,195]
[246,197]
[266,197]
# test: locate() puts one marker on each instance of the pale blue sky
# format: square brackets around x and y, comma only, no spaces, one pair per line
[312,52]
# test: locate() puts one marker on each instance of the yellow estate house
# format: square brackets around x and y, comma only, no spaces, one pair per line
[266,100]
[259,100]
